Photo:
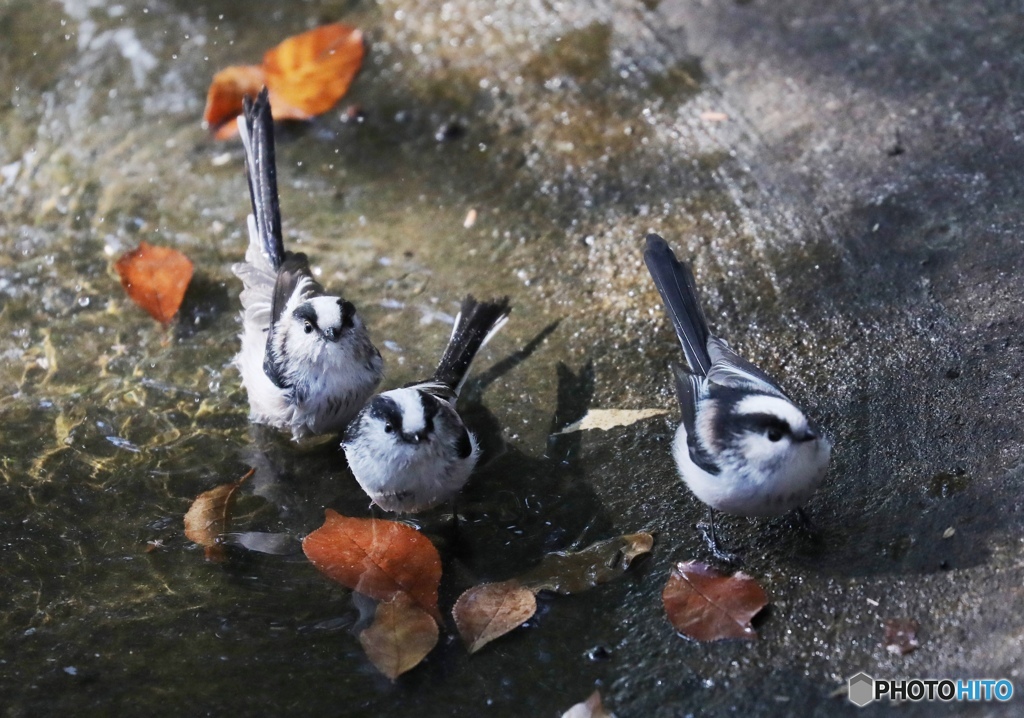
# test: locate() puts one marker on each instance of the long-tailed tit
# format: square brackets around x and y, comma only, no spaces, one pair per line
[307,361]
[743,446]
[408,448]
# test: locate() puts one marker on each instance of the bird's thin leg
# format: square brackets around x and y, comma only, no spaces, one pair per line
[716,548]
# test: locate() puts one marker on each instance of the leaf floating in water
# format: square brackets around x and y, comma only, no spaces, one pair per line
[706,605]
[210,515]
[306,75]
[575,571]
[401,635]
[224,98]
[605,419]
[590,708]
[491,610]
[901,636]
[377,558]
[155,278]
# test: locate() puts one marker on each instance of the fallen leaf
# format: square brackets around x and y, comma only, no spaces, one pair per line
[155,278]
[491,610]
[901,636]
[377,558]
[224,98]
[470,219]
[401,635]
[590,708]
[575,571]
[707,605]
[609,419]
[210,514]
[308,73]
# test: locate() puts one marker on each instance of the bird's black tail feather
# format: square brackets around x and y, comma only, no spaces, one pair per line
[476,324]
[678,290]
[257,130]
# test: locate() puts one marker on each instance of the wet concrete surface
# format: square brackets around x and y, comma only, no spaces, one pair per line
[843,176]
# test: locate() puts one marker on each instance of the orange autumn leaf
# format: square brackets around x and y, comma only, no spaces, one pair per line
[377,558]
[306,75]
[401,635]
[491,610]
[155,278]
[707,605]
[224,98]
[210,514]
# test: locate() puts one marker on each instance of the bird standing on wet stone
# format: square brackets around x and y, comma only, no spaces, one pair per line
[307,361]
[743,446]
[408,448]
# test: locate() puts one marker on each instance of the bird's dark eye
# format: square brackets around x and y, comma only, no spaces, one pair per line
[388,428]
[774,434]
[308,328]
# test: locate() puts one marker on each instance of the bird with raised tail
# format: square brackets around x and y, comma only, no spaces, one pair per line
[408,448]
[743,447]
[307,362]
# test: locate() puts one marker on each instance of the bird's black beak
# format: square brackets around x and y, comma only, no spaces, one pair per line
[331,334]
[418,437]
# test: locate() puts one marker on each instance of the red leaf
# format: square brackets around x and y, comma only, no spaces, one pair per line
[224,98]
[706,605]
[491,610]
[401,635]
[156,279]
[308,73]
[377,558]
[210,515]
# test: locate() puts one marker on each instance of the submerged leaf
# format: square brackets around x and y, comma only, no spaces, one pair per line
[377,558]
[576,571]
[707,605]
[491,610]
[401,635]
[210,514]
[308,73]
[609,419]
[590,708]
[155,278]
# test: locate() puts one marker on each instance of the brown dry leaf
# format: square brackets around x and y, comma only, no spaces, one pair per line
[575,571]
[155,278]
[491,610]
[401,635]
[901,636]
[590,708]
[308,73]
[210,514]
[377,558]
[224,98]
[707,605]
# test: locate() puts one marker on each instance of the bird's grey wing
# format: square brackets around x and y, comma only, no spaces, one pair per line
[730,369]
[689,388]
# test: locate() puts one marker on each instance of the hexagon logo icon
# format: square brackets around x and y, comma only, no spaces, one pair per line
[861,690]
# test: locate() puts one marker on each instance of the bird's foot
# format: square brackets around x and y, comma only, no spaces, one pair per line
[718,550]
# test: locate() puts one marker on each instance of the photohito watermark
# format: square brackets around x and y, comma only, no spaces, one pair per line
[863,689]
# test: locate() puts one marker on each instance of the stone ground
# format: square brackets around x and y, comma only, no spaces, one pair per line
[843,177]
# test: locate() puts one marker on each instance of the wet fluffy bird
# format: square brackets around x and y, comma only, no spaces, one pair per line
[743,446]
[307,361]
[408,448]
